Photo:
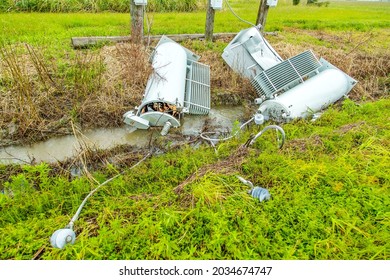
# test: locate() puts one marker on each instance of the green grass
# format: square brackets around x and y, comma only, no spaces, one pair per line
[330,184]
[339,16]
[56,29]
[330,200]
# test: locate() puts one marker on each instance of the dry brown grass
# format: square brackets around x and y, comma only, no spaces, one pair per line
[302,145]
[227,166]
[26,86]
[126,71]
[227,86]
[94,90]
[351,53]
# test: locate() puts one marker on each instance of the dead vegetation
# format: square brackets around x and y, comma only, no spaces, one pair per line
[302,145]
[40,96]
[90,159]
[228,87]
[348,127]
[351,54]
[227,166]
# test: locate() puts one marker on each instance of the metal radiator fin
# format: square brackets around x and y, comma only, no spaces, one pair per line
[197,95]
[285,74]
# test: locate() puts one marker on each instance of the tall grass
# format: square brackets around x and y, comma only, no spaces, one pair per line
[120,6]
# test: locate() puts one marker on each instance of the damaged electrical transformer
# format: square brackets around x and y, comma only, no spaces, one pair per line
[178,85]
[288,89]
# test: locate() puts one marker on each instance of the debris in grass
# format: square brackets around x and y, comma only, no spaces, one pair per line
[256,192]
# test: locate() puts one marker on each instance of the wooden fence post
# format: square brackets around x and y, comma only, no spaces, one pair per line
[209,22]
[137,22]
[262,15]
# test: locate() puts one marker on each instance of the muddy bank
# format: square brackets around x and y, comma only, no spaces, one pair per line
[59,149]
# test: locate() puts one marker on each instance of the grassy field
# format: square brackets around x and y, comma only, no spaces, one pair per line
[339,16]
[330,185]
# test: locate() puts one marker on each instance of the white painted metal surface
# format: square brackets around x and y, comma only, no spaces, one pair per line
[249,53]
[290,89]
[286,75]
[141,2]
[197,98]
[167,83]
[311,96]
[164,94]
[216,4]
[272,3]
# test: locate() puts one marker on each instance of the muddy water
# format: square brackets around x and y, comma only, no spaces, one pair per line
[61,148]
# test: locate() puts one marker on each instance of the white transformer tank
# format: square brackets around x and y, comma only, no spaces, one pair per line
[164,92]
[169,91]
[313,95]
[288,89]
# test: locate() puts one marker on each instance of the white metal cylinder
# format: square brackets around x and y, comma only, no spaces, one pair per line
[167,83]
[166,86]
[307,98]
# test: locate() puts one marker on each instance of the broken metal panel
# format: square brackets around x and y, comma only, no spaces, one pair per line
[285,75]
[131,119]
[249,53]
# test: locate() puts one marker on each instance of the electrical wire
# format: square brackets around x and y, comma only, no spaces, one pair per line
[268,128]
[76,216]
[213,140]
[237,16]
[245,182]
